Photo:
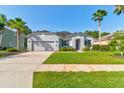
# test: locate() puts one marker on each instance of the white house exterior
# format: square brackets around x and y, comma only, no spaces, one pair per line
[80,41]
[43,41]
[77,42]
[48,41]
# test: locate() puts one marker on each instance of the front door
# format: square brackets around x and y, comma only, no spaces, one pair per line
[77,44]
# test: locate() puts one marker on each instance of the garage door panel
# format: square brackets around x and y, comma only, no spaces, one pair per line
[43,45]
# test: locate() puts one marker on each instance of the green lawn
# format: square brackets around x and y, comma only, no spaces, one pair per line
[78,80]
[2,53]
[84,58]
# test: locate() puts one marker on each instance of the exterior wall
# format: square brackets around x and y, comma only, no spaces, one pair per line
[8,39]
[40,37]
[22,42]
[105,42]
[29,44]
[72,42]
[90,38]
[58,42]
[88,41]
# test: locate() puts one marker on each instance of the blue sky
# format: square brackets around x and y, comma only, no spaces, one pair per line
[59,18]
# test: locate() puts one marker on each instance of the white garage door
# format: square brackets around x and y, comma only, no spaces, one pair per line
[43,46]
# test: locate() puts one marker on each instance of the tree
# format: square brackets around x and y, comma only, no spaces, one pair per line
[119,36]
[27,30]
[113,44]
[118,42]
[122,45]
[19,25]
[104,33]
[119,9]
[3,20]
[98,16]
[95,34]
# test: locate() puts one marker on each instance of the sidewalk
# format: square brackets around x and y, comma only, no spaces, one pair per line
[80,67]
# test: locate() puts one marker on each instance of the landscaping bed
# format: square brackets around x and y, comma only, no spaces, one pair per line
[78,80]
[93,57]
[5,53]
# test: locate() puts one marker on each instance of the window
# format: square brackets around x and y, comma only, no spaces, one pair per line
[87,43]
[12,44]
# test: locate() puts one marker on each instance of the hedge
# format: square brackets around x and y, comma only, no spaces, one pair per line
[104,48]
[96,47]
[101,47]
[86,49]
[12,50]
[67,48]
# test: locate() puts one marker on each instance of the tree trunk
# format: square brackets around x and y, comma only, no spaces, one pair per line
[99,29]
[17,41]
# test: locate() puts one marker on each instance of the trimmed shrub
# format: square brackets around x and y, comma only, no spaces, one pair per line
[86,49]
[119,54]
[4,48]
[113,44]
[12,50]
[101,47]
[96,47]
[67,48]
[113,48]
[104,48]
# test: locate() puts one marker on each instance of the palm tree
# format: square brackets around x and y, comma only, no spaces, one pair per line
[3,20]
[27,30]
[119,9]
[98,16]
[19,25]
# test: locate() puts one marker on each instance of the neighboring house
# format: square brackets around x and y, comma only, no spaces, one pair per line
[105,39]
[49,41]
[8,39]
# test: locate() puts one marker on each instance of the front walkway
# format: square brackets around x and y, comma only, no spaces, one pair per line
[80,67]
[17,71]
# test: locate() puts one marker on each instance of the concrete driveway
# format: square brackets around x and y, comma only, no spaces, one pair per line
[17,71]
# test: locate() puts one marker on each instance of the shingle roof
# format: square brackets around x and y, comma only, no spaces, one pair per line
[43,32]
[107,37]
[6,27]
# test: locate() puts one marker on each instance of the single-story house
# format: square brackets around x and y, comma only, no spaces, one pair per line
[8,39]
[49,41]
[105,39]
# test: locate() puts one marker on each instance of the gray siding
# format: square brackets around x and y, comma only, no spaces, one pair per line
[8,39]
[22,42]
